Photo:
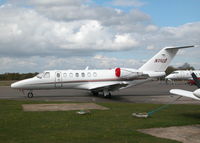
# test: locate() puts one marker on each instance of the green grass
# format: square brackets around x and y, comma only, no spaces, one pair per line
[6,82]
[111,126]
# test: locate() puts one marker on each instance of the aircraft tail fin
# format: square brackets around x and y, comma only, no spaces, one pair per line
[196,80]
[162,59]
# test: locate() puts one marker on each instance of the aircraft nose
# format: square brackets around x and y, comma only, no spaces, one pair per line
[15,85]
[168,77]
[23,84]
[18,84]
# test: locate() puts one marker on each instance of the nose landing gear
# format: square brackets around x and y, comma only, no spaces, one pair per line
[30,94]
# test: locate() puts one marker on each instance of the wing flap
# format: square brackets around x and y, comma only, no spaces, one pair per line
[110,86]
[184,93]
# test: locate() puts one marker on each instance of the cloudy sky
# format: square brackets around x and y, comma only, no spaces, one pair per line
[37,35]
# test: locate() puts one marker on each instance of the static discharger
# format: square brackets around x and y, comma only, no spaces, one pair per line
[150,113]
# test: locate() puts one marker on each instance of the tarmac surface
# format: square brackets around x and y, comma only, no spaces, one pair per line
[152,92]
[185,134]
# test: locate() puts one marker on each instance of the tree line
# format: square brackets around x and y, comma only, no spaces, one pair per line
[16,76]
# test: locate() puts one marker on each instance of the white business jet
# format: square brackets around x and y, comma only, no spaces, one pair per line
[182,74]
[100,81]
[194,95]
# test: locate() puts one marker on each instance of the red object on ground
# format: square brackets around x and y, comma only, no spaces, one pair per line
[118,72]
[192,82]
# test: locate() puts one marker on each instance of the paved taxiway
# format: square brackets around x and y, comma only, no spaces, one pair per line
[151,92]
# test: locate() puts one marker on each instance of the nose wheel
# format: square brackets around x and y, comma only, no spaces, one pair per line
[30,95]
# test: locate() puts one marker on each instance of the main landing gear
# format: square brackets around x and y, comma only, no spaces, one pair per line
[30,94]
[105,93]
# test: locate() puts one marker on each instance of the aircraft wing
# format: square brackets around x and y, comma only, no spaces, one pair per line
[111,86]
[184,93]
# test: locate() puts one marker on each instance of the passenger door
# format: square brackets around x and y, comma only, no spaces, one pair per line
[58,79]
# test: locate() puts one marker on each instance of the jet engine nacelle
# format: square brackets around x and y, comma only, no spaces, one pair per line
[197,93]
[127,73]
[154,74]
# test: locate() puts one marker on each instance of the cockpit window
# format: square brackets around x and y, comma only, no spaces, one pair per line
[47,75]
[39,75]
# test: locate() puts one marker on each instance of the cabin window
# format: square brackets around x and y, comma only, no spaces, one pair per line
[58,75]
[77,74]
[71,75]
[94,74]
[65,75]
[47,75]
[83,74]
[89,74]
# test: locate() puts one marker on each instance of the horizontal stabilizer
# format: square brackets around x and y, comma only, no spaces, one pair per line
[184,93]
[180,47]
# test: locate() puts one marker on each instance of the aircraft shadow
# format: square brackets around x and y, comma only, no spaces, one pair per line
[191,115]
[117,98]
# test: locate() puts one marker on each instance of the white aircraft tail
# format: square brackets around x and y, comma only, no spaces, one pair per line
[161,60]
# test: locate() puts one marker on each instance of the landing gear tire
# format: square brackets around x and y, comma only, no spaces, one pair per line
[95,93]
[108,95]
[30,95]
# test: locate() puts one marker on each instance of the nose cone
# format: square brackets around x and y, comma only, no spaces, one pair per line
[16,85]
[23,84]
[168,77]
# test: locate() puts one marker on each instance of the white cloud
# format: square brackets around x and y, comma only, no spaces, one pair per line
[151,28]
[59,31]
[39,64]
[124,40]
[150,47]
[125,3]
[56,2]
[36,34]
[9,64]
[112,62]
